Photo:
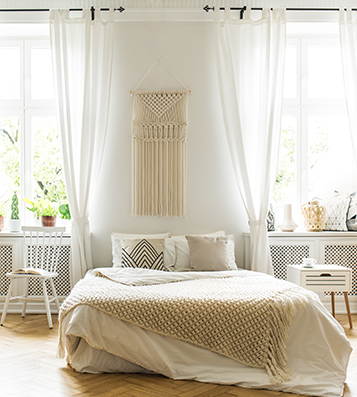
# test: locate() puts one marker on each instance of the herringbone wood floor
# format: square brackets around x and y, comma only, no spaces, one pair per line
[29,368]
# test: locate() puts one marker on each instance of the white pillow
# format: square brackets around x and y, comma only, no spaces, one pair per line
[169,248]
[182,263]
[336,214]
[231,252]
[352,210]
[169,254]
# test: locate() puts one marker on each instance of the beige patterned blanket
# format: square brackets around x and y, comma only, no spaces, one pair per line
[244,318]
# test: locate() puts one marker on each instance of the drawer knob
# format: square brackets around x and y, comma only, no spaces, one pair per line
[325,275]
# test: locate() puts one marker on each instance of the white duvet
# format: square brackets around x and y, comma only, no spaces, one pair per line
[318,350]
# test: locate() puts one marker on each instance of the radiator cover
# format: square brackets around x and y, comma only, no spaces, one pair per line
[11,258]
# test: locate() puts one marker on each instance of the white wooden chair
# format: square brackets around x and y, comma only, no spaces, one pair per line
[41,249]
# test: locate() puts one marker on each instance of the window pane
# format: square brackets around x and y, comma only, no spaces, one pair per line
[324,72]
[330,157]
[24,29]
[290,72]
[9,161]
[41,74]
[9,73]
[285,186]
[47,164]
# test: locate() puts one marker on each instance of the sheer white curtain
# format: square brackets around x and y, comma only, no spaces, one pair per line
[82,60]
[348,40]
[250,63]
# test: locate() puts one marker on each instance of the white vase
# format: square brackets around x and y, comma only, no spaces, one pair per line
[288,224]
[14,225]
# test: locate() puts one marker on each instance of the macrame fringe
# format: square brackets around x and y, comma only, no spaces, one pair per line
[159,134]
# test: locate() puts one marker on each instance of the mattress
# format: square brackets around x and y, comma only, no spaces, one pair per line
[317,349]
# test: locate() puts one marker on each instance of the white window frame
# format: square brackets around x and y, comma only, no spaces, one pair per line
[35,103]
[11,103]
[25,108]
[301,107]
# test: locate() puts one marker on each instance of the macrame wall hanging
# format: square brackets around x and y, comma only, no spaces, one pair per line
[159,135]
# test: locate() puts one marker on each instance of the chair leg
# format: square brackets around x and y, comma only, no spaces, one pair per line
[54,293]
[24,303]
[7,301]
[47,305]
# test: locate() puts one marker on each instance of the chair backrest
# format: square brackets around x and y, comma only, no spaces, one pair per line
[42,246]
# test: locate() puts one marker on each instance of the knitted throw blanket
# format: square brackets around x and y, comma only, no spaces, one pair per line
[244,318]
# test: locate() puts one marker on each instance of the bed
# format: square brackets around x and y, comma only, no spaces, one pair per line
[226,326]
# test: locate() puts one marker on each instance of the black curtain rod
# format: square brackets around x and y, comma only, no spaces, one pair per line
[207,8]
[120,9]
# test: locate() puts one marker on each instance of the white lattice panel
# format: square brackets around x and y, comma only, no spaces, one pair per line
[284,255]
[343,255]
[62,282]
[11,258]
[6,255]
[338,248]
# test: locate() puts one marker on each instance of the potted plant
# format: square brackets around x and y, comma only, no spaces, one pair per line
[1,217]
[48,212]
[14,221]
[64,211]
[35,207]
[66,218]
[44,209]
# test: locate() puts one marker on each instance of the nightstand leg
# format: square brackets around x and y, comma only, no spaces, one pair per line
[348,309]
[333,303]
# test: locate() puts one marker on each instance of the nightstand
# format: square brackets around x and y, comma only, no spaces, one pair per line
[329,278]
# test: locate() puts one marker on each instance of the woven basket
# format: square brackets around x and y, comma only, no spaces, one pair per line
[314,216]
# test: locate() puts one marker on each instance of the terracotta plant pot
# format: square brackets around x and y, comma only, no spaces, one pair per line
[1,222]
[48,221]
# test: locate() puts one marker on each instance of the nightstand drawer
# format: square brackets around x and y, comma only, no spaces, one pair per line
[325,281]
[321,277]
[329,278]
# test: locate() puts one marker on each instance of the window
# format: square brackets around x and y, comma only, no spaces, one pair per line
[315,156]
[30,161]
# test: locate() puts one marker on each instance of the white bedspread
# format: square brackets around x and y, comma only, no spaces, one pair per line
[317,348]
[137,277]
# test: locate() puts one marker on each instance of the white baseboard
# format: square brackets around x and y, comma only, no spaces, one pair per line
[31,308]
[340,306]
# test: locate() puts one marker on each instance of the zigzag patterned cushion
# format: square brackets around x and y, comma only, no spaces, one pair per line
[144,253]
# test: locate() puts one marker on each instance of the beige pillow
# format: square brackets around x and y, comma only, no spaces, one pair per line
[208,253]
[182,263]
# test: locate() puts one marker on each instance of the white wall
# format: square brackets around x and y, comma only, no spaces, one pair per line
[213,199]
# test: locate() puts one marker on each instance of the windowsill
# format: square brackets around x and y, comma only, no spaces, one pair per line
[303,233]
[6,233]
